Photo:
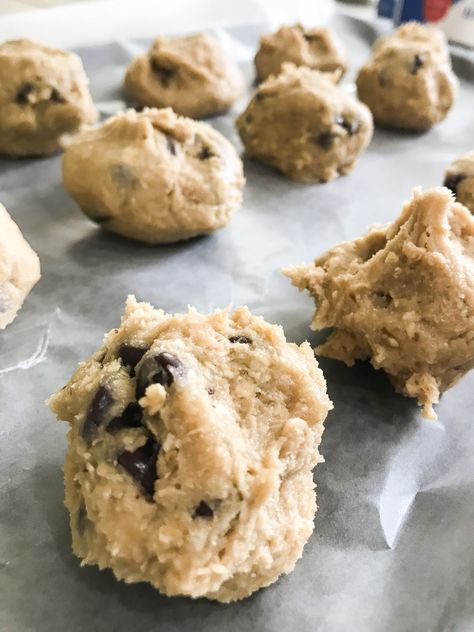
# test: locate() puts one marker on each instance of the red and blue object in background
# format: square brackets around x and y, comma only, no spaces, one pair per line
[420,10]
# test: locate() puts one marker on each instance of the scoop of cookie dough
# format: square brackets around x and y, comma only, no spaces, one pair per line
[402,296]
[459,178]
[303,125]
[44,96]
[155,176]
[19,268]
[190,451]
[194,75]
[408,83]
[317,48]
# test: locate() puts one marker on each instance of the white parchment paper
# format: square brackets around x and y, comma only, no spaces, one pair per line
[393,546]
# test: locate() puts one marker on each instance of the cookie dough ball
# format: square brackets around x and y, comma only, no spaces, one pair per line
[155,176]
[303,125]
[44,96]
[402,296]
[19,268]
[459,178]
[191,449]
[194,75]
[318,48]
[408,83]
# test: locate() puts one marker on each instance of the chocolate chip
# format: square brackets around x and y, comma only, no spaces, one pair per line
[203,511]
[131,356]
[210,391]
[170,145]
[98,412]
[351,127]
[141,465]
[417,64]
[24,92]
[326,140]
[243,340]
[164,74]
[452,182]
[56,96]
[158,369]
[130,418]
[205,153]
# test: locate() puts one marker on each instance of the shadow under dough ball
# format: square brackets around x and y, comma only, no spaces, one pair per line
[402,296]
[194,75]
[316,48]
[305,126]
[408,83]
[44,95]
[155,176]
[459,178]
[190,455]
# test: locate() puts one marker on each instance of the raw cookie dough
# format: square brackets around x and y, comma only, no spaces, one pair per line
[319,49]
[403,296]
[303,125]
[191,449]
[19,268]
[194,75]
[44,96]
[155,176]
[459,178]
[408,83]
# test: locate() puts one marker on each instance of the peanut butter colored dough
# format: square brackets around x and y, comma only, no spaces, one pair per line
[317,48]
[402,296]
[44,96]
[154,176]
[19,268]
[408,83]
[191,450]
[303,125]
[194,75]
[459,178]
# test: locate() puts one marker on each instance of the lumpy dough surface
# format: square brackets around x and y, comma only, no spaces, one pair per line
[303,125]
[317,48]
[194,75]
[402,296]
[44,96]
[459,178]
[191,449]
[19,268]
[408,83]
[155,176]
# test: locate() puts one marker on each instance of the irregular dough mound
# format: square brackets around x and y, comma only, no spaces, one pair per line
[155,176]
[19,268]
[305,126]
[402,296]
[459,178]
[317,48]
[194,75]
[204,486]
[408,83]
[43,96]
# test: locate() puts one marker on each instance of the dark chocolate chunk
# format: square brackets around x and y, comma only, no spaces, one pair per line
[98,413]
[417,64]
[131,355]
[130,418]
[56,96]
[210,390]
[452,182]
[203,511]
[243,340]
[24,91]
[206,153]
[351,127]
[141,465]
[171,145]
[326,140]
[164,74]
[157,369]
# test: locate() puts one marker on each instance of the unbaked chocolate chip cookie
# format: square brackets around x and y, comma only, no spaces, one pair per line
[303,125]
[194,75]
[408,83]
[19,268]
[155,176]
[317,48]
[44,96]
[191,450]
[402,296]
[459,178]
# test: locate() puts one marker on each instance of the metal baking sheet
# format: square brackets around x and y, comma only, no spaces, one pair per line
[393,545]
